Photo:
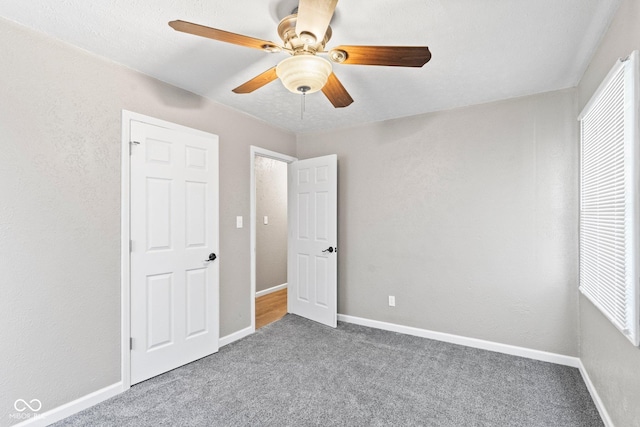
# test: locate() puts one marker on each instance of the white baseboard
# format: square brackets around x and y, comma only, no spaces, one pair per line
[71,408]
[56,414]
[543,356]
[68,409]
[606,419]
[91,399]
[270,290]
[228,339]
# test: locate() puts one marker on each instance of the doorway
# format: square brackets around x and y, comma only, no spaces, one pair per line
[269,237]
[312,199]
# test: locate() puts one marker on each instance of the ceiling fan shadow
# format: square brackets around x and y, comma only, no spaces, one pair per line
[205,69]
[278,9]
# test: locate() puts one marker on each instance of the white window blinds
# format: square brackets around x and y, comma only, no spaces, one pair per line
[609,178]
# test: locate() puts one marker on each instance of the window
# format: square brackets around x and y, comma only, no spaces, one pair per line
[609,199]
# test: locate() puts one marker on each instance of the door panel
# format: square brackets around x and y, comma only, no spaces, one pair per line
[160,298]
[322,271]
[312,230]
[158,212]
[174,228]
[322,221]
[303,277]
[303,216]
[196,217]
[196,302]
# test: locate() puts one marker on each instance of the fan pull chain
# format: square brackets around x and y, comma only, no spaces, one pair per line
[303,90]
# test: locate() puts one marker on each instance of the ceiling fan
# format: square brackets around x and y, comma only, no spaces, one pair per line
[304,35]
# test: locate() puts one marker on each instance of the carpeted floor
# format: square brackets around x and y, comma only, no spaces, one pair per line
[295,372]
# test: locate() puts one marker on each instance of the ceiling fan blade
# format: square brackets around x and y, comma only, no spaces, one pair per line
[336,93]
[314,17]
[223,36]
[399,56]
[257,82]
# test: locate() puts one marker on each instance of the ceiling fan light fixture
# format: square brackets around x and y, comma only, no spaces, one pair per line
[302,74]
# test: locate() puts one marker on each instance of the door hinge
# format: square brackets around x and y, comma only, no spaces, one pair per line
[130,245]
[130,343]
[131,144]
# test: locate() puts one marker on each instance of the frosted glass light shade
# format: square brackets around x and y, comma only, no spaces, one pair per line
[304,73]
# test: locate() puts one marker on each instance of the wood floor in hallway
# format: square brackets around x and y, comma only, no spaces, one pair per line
[271,307]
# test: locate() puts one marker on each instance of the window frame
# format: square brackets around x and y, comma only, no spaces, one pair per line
[595,280]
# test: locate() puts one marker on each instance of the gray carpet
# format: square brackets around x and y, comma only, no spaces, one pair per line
[296,373]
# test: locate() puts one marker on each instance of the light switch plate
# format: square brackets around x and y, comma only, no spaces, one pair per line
[265,220]
[238,222]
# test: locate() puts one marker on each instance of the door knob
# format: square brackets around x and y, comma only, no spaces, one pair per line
[212,257]
[329,249]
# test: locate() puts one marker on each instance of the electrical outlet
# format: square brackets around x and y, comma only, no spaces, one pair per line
[392,301]
[238,222]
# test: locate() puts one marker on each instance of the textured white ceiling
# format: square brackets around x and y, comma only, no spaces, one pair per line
[482,50]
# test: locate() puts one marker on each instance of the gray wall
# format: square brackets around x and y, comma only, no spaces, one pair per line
[60,139]
[468,217]
[611,361]
[271,239]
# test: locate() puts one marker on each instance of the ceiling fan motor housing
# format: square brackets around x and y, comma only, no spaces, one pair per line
[305,41]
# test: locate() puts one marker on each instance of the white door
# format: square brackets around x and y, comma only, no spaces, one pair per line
[174,229]
[313,239]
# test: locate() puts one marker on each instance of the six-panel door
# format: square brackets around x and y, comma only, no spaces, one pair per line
[312,259]
[174,229]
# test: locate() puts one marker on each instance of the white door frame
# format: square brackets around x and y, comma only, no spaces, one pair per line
[258,152]
[125,232]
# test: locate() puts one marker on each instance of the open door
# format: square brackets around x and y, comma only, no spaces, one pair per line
[312,271]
